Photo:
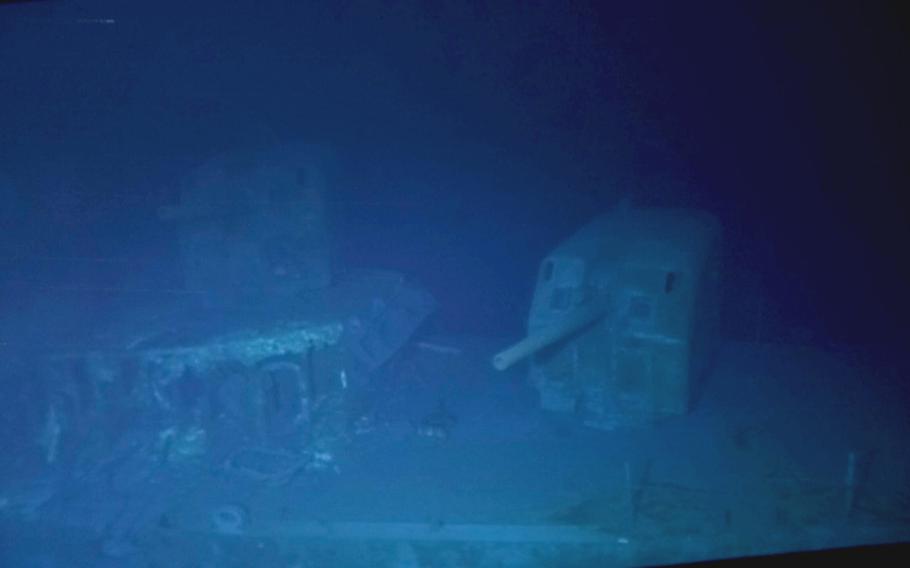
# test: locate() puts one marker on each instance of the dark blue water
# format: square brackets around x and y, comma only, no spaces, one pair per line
[460,144]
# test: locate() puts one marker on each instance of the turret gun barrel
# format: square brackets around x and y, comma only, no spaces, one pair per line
[574,320]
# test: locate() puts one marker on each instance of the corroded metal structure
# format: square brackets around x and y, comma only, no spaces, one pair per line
[263,369]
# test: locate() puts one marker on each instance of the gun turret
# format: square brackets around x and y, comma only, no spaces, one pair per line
[623,318]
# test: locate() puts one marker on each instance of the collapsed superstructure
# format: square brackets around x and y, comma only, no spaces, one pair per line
[256,367]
